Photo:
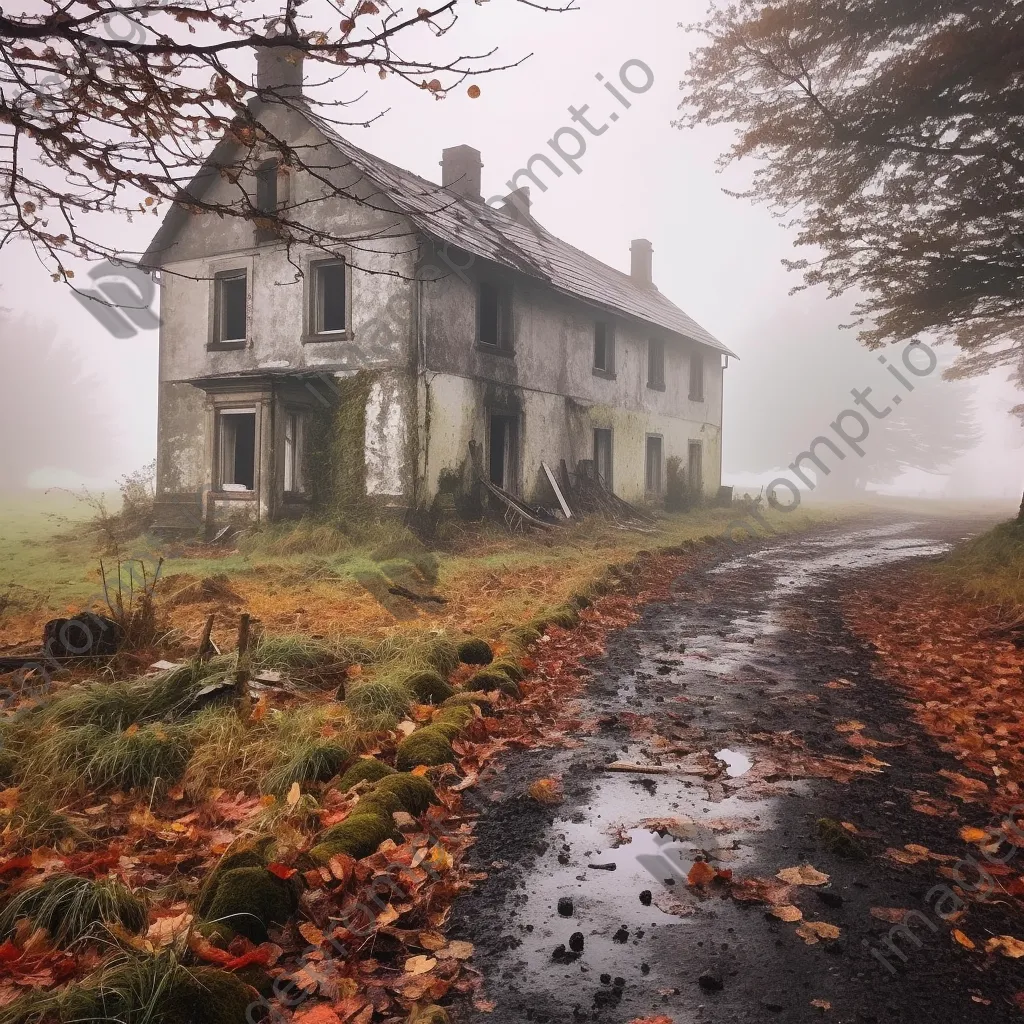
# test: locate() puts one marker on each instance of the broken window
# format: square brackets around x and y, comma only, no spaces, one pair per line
[652,465]
[493,315]
[236,430]
[230,306]
[266,198]
[603,360]
[504,452]
[328,297]
[655,363]
[603,457]
[293,453]
[695,467]
[696,377]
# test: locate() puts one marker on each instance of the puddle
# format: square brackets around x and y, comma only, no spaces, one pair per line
[736,762]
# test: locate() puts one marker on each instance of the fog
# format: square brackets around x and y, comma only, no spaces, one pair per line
[80,405]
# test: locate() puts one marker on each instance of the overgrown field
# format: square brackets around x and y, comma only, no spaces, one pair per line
[174,839]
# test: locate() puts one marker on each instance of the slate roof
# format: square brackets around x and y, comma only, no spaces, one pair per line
[494,235]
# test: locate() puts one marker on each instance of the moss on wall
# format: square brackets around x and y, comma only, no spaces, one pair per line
[336,449]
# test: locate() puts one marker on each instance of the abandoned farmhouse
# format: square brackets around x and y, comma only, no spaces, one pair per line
[452,338]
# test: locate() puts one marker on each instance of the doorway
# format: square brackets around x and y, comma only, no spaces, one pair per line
[503,452]
[603,457]
[695,468]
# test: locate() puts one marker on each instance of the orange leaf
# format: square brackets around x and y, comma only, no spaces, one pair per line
[702,873]
[546,791]
[964,941]
[281,870]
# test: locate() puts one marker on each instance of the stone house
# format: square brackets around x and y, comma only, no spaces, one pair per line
[288,374]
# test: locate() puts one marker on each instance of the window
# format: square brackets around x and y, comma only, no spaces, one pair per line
[655,363]
[696,377]
[652,465]
[603,457]
[236,429]
[493,315]
[603,351]
[293,453]
[695,467]
[266,198]
[230,302]
[328,314]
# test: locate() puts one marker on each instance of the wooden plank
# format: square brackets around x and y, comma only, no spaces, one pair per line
[558,493]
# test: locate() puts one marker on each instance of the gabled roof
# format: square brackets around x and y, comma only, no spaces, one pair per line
[491,234]
[494,235]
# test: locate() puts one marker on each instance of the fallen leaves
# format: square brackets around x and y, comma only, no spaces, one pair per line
[891,915]
[1005,944]
[546,791]
[805,874]
[813,932]
[702,873]
[959,937]
[787,912]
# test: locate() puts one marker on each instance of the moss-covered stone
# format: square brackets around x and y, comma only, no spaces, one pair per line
[209,996]
[581,600]
[432,1014]
[251,899]
[523,636]
[425,746]
[458,714]
[467,698]
[379,802]
[366,769]
[475,652]
[358,836]
[509,667]
[489,680]
[249,854]
[415,792]
[428,687]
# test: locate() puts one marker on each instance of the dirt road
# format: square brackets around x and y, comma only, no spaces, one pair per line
[738,686]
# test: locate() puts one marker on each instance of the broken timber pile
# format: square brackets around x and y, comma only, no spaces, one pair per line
[517,513]
[587,495]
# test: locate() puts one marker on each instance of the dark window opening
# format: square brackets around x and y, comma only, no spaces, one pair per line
[231,298]
[293,482]
[490,314]
[503,453]
[655,363]
[329,297]
[695,467]
[652,466]
[603,457]
[237,450]
[696,377]
[602,348]
[266,199]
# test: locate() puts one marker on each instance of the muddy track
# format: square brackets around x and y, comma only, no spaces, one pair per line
[745,649]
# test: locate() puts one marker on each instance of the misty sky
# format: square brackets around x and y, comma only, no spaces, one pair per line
[717,257]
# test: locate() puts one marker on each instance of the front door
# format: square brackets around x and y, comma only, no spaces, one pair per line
[503,452]
[695,468]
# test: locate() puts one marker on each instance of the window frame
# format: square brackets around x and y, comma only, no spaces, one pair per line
[220,488]
[608,370]
[272,165]
[656,345]
[218,279]
[697,395]
[314,330]
[503,294]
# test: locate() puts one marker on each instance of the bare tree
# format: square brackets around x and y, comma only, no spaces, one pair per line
[112,106]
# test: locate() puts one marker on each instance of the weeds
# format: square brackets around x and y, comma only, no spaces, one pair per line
[378,704]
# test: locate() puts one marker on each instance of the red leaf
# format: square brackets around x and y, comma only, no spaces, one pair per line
[281,870]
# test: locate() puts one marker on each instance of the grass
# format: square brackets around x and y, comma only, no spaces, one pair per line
[989,567]
[71,908]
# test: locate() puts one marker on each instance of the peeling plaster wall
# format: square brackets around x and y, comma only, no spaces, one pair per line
[549,376]
[387,431]
[382,311]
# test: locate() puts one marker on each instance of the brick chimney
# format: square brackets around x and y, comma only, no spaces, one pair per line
[460,171]
[279,68]
[642,266]
[517,204]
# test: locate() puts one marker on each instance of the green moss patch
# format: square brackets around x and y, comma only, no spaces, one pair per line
[379,704]
[248,854]
[425,746]
[566,616]
[508,667]
[415,792]
[489,679]
[250,900]
[366,769]
[358,836]
[429,687]
[475,652]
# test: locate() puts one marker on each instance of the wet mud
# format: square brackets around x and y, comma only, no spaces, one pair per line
[586,913]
